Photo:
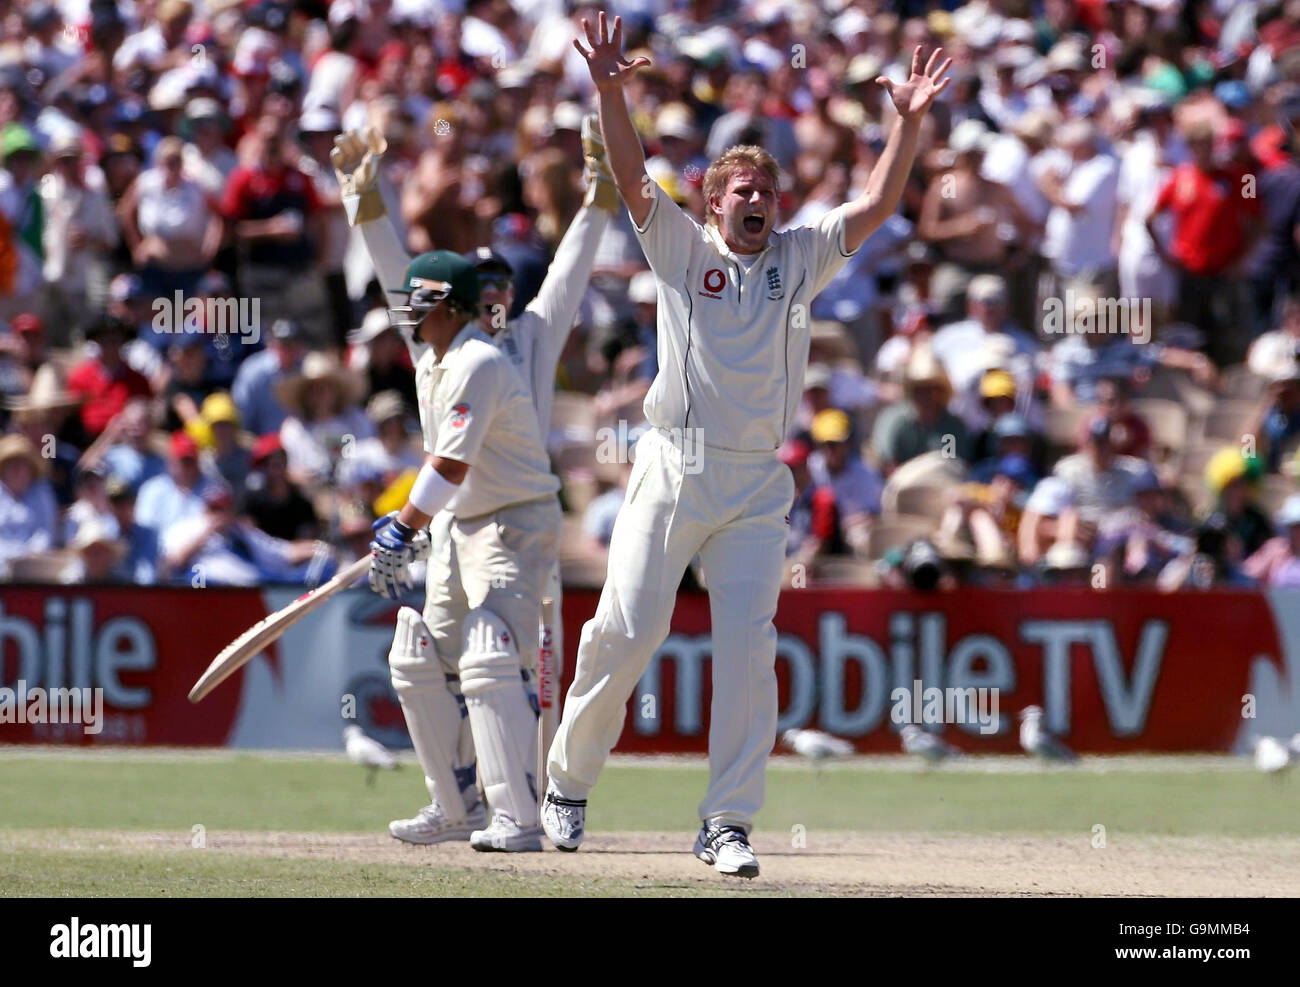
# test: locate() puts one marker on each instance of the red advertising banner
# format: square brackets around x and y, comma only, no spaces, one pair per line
[144,647]
[1114,672]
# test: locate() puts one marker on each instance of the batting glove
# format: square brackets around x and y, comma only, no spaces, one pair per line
[356,158]
[394,548]
[601,190]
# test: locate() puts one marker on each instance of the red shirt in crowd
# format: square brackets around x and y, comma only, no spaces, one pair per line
[104,394]
[1210,217]
[257,193]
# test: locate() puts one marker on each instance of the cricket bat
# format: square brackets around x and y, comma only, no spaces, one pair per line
[269,629]
[548,686]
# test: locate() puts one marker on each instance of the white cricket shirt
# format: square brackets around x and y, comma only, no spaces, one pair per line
[733,343]
[474,408]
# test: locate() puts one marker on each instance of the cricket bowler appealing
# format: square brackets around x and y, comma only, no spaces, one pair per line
[487,486]
[732,355]
[534,339]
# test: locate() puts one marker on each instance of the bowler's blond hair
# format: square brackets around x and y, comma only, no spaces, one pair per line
[732,160]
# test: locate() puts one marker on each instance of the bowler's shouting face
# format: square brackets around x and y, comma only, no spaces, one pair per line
[746,210]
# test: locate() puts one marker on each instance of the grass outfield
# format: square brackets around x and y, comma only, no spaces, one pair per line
[103,824]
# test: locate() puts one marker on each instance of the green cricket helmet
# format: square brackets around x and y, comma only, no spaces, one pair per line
[430,279]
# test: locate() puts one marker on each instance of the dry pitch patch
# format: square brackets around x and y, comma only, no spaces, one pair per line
[838,864]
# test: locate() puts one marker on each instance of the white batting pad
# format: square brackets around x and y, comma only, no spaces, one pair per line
[503,719]
[432,714]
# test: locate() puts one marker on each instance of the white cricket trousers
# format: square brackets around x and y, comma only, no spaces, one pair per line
[684,499]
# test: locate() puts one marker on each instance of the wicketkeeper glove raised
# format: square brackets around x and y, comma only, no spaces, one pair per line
[393,549]
[356,158]
[601,190]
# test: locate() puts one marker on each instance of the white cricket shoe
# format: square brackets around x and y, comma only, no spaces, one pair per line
[727,849]
[431,825]
[507,836]
[564,820]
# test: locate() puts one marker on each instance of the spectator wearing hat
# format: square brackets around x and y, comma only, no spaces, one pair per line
[97,555]
[22,220]
[91,504]
[103,381]
[221,451]
[176,494]
[921,422]
[1008,435]
[971,221]
[993,396]
[80,233]
[218,547]
[836,465]
[1276,563]
[1275,352]
[274,502]
[139,564]
[324,419]
[28,512]
[1235,527]
[1214,227]
[276,220]
[45,416]
[963,347]
[1080,183]
[388,453]
[170,225]
[376,350]
[256,386]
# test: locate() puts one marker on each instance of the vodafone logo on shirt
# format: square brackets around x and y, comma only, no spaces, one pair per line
[714,280]
[459,416]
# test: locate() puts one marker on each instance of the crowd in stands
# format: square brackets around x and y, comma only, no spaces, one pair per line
[1069,359]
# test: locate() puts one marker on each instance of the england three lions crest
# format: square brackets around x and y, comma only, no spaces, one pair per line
[775,289]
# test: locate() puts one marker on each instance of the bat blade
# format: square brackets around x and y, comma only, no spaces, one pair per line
[269,629]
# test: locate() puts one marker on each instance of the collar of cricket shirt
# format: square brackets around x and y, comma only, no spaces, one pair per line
[719,244]
[469,329]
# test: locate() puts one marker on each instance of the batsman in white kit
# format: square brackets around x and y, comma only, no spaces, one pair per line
[733,346]
[532,343]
